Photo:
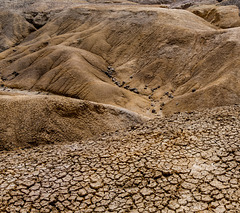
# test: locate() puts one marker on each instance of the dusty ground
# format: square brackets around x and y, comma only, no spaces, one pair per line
[185,163]
[83,76]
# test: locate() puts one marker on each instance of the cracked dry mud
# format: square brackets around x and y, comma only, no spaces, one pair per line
[188,162]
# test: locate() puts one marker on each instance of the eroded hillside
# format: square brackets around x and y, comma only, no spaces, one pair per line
[143,58]
[148,59]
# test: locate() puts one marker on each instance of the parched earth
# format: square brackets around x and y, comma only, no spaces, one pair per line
[71,75]
[188,162]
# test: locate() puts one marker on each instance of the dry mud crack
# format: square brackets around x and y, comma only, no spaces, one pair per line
[188,162]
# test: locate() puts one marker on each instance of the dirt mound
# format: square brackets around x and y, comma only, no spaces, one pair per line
[148,59]
[32,120]
[178,4]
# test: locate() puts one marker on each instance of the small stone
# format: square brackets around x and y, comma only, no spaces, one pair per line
[182,202]
[67,178]
[189,186]
[134,211]
[132,190]
[206,198]
[113,206]
[154,111]
[35,187]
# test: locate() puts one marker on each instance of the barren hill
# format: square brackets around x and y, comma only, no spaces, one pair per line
[142,58]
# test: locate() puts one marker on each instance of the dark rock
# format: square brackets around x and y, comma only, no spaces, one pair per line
[122,84]
[3,78]
[15,73]
[118,84]
[108,74]
[153,111]
[134,90]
